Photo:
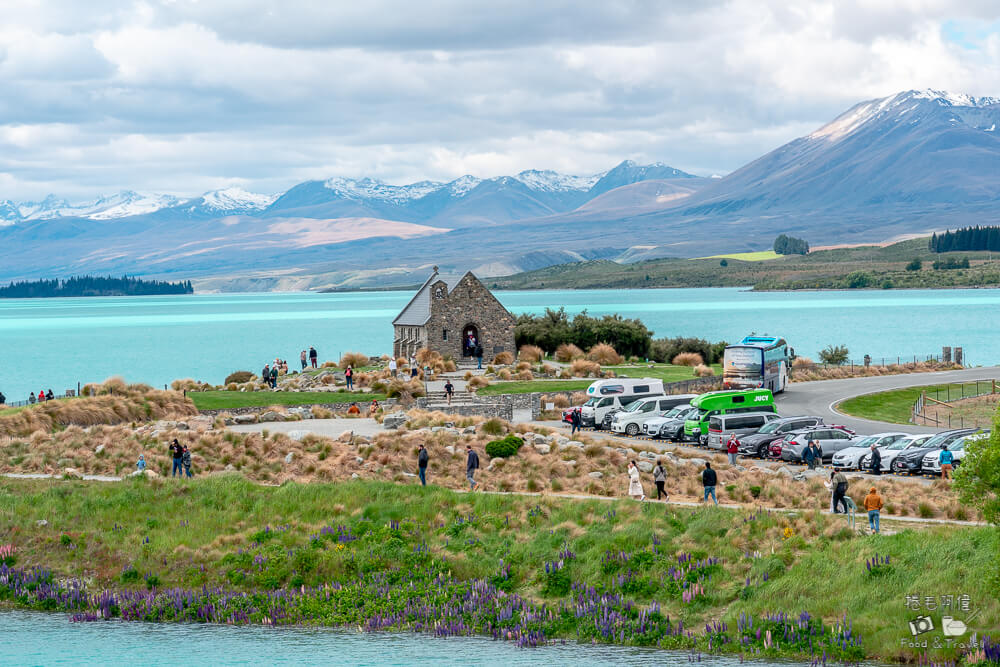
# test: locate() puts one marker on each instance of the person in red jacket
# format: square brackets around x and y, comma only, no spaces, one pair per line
[732,447]
[41,396]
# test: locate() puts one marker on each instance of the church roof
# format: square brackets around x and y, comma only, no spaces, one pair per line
[418,310]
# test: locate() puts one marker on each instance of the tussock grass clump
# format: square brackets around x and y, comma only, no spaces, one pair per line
[604,354]
[557,400]
[703,371]
[238,377]
[567,352]
[477,382]
[584,368]
[503,359]
[404,389]
[354,360]
[692,359]
[525,375]
[530,353]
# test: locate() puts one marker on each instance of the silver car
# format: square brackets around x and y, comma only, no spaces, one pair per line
[850,458]
[890,452]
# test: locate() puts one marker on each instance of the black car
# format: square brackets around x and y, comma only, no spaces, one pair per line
[909,461]
[755,444]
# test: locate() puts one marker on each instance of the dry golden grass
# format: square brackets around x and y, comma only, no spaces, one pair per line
[477,382]
[803,373]
[604,354]
[530,353]
[503,359]
[803,362]
[354,360]
[558,400]
[504,374]
[584,368]
[567,352]
[703,371]
[691,359]
[524,375]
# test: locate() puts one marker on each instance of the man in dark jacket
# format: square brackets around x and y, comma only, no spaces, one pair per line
[574,420]
[274,377]
[265,374]
[177,451]
[449,390]
[839,482]
[709,480]
[186,461]
[809,455]
[479,356]
[876,461]
[3,399]
[422,459]
[471,465]
[313,356]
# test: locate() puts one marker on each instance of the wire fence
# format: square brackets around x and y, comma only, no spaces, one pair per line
[70,393]
[939,407]
[879,362]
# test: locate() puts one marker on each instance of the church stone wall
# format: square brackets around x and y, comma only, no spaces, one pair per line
[468,303]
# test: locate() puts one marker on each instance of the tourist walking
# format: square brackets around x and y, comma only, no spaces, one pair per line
[876,461]
[708,480]
[313,356]
[304,359]
[839,482]
[946,458]
[574,421]
[140,465]
[809,455]
[186,461]
[873,503]
[274,377]
[265,374]
[634,485]
[177,452]
[449,390]
[732,447]
[393,367]
[471,465]
[660,479]
[479,357]
[422,458]
[414,368]
[349,377]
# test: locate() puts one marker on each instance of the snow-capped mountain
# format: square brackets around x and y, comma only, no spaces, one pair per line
[120,205]
[230,201]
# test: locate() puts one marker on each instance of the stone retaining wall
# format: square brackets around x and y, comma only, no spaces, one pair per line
[387,404]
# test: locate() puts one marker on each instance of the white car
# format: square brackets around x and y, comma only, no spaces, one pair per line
[849,458]
[670,425]
[890,452]
[630,420]
[932,460]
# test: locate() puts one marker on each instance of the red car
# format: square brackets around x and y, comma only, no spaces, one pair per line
[567,415]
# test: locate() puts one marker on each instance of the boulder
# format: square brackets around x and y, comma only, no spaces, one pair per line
[99,449]
[596,474]
[228,421]
[645,466]
[346,436]
[297,435]
[496,463]
[570,462]
[355,475]
[437,429]
[304,413]
[469,430]
[575,443]
[394,420]
[695,462]
[245,419]
[542,448]
[539,439]
[229,467]
[270,416]
[450,449]
[784,470]
[648,455]
[289,457]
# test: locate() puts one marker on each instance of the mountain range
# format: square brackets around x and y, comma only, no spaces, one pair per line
[910,163]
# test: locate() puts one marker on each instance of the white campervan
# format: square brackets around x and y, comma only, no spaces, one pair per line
[614,394]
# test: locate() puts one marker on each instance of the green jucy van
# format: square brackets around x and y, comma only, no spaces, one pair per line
[725,403]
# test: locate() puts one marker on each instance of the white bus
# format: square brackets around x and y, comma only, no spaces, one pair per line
[757,362]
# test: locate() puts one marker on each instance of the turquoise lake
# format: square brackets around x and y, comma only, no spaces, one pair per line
[32,638]
[55,343]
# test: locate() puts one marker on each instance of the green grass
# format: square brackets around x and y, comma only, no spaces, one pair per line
[665,372]
[758,256]
[226,400]
[893,406]
[206,531]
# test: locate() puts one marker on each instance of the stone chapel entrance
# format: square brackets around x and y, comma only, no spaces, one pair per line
[470,339]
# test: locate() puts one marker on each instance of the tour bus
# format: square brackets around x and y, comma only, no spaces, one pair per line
[725,403]
[757,362]
[616,393]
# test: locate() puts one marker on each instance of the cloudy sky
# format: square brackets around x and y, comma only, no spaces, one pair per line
[183,96]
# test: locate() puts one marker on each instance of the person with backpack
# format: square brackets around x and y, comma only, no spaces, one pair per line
[732,448]
[946,458]
[709,479]
[873,503]
[349,377]
[449,390]
[839,482]
[876,461]
[186,461]
[313,356]
[471,465]
[177,452]
[422,458]
[479,356]
[574,421]
[660,479]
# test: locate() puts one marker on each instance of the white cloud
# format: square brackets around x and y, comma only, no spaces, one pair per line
[180,96]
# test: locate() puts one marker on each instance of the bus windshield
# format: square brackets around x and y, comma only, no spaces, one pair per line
[744,363]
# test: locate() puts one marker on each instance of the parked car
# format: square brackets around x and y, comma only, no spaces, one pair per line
[931,463]
[671,425]
[830,438]
[630,420]
[850,458]
[910,461]
[755,444]
[721,427]
[890,452]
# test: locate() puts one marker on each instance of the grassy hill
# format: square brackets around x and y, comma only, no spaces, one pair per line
[871,267]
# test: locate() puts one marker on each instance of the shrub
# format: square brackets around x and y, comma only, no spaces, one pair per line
[239,377]
[691,359]
[530,353]
[567,352]
[915,264]
[584,368]
[755,491]
[503,359]
[504,447]
[925,511]
[523,366]
[559,401]
[803,362]
[404,389]
[663,350]
[604,354]
[723,263]
[525,376]
[492,427]
[859,280]
[477,382]
[834,355]
[354,360]
[703,371]
[504,374]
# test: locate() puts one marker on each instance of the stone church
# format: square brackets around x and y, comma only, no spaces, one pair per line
[454,315]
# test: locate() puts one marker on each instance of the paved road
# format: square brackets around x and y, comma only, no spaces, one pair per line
[818,398]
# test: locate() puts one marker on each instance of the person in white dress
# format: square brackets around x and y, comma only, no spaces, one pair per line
[634,485]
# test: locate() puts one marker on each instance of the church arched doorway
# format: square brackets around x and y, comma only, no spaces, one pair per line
[470,340]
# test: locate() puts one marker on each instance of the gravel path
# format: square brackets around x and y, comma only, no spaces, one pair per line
[331,428]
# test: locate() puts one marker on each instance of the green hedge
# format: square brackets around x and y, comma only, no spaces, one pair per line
[504,447]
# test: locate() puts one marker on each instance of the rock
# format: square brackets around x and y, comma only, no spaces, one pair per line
[596,474]
[469,430]
[624,452]
[645,466]
[575,443]
[289,457]
[99,449]
[297,435]
[496,463]
[562,440]
[346,436]
[452,431]
[182,426]
[409,474]
[570,462]
[229,421]
[355,475]
[270,416]
[648,455]
[542,448]
[449,424]
[450,449]
[539,439]
[394,420]
[229,467]
[41,523]
[72,472]
[696,462]
[437,429]
[783,470]
[63,463]
[245,419]
[358,459]
[304,413]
